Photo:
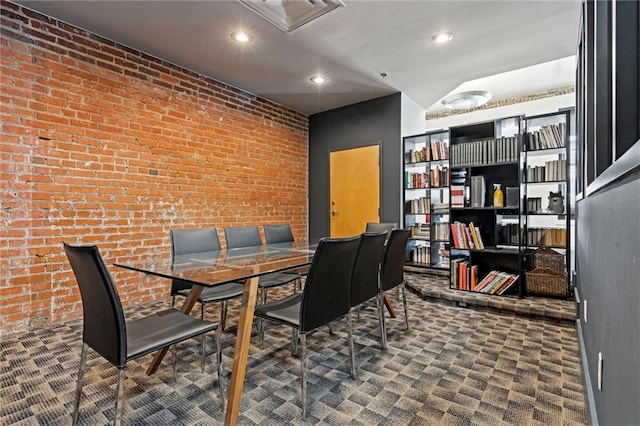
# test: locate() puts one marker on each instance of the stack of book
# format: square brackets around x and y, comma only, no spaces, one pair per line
[496,282]
[466,236]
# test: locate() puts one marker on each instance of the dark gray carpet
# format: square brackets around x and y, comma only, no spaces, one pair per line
[455,366]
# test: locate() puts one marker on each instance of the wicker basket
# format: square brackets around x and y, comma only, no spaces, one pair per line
[544,257]
[546,282]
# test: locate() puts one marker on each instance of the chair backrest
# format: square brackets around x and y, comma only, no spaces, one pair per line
[366,268]
[325,297]
[242,236]
[274,234]
[381,227]
[393,259]
[104,327]
[191,241]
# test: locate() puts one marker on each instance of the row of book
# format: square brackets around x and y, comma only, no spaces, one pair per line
[436,150]
[464,275]
[420,254]
[466,236]
[485,152]
[439,176]
[440,150]
[417,156]
[420,205]
[534,204]
[416,180]
[554,237]
[509,233]
[441,231]
[547,137]
[552,171]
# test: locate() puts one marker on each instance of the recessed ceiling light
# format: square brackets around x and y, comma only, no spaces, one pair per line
[442,38]
[241,36]
[318,79]
[466,100]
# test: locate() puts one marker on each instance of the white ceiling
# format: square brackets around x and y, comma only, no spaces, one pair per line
[353,46]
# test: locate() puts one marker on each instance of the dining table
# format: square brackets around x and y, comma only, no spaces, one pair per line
[208,269]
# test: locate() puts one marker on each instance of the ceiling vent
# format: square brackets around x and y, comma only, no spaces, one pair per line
[289,15]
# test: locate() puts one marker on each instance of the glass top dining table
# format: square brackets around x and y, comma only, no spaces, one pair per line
[213,268]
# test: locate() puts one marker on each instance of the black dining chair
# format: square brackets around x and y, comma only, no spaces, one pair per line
[279,234]
[194,241]
[249,236]
[392,272]
[116,339]
[381,227]
[325,298]
[365,279]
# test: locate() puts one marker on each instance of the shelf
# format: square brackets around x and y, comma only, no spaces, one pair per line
[418,163]
[548,182]
[411,189]
[498,209]
[420,238]
[477,166]
[440,187]
[440,241]
[559,216]
[549,151]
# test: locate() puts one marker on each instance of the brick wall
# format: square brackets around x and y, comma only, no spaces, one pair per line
[101,144]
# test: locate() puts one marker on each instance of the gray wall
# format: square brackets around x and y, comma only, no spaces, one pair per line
[608,267]
[365,123]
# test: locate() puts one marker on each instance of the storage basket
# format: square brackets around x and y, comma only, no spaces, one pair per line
[546,282]
[545,257]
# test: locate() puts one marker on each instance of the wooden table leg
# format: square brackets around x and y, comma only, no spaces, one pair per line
[241,352]
[186,308]
[389,306]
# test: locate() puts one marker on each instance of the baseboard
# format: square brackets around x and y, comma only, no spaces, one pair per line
[592,414]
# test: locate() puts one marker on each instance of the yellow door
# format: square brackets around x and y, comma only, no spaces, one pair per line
[354,190]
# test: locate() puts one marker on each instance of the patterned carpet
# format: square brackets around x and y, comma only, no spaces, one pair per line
[455,366]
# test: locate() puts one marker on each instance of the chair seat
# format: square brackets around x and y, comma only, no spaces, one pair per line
[217,293]
[162,329]
[286,311]
[276,279]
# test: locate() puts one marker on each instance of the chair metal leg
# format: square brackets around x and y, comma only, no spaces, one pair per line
[219,362]
[404,300]
[380,308]
[263,300]
[223,315]
[294,341]
[174,363]
[203,309]
[331,328]
[383,326]
[352,351]
[120,398]
[303,374]
[173,301]
[76,404]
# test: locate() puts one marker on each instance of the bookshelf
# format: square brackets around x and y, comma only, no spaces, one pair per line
[426,199]
[486,243]
[546,217]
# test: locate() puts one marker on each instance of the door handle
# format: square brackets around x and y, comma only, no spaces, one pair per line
[334,213]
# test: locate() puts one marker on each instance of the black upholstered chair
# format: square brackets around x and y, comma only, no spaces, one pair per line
[281,233]
[365,279]
[392,271]
[193,241]
[117,340]
[325,298]
[381,227]
[249,236]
